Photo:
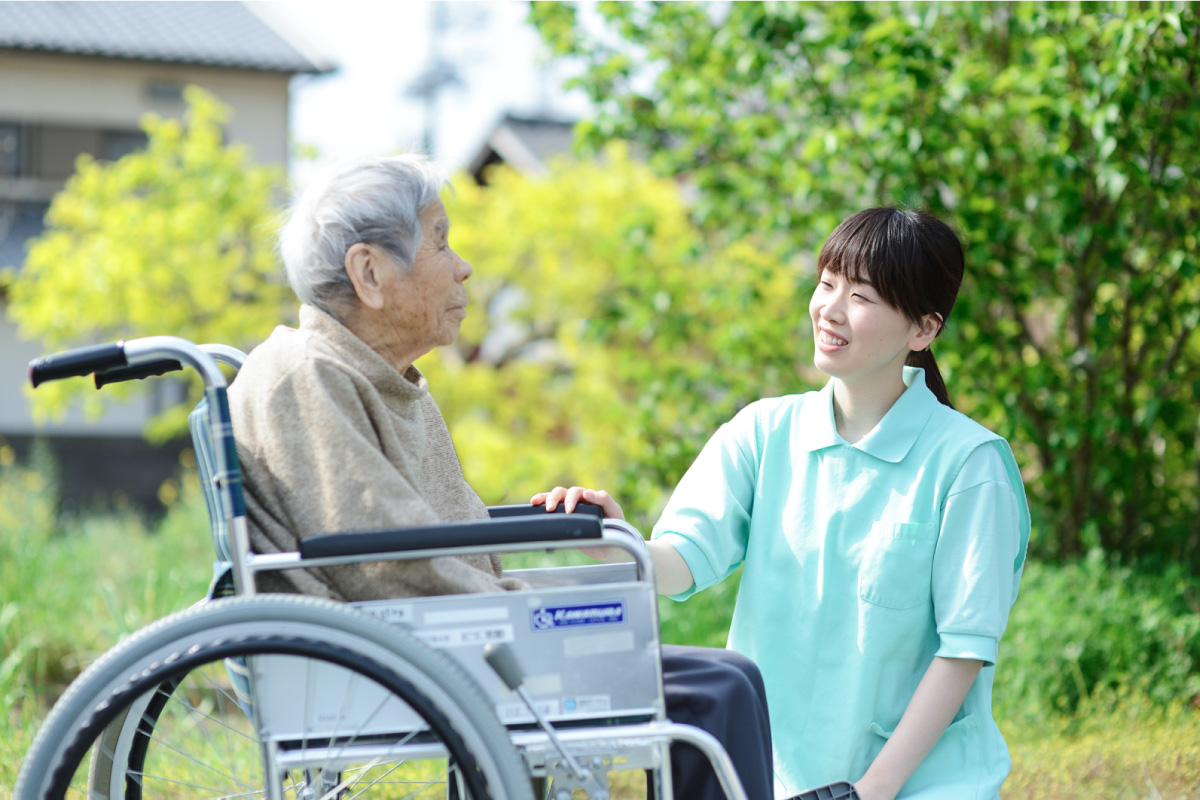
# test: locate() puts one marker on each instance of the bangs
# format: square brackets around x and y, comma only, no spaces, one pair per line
[877,247]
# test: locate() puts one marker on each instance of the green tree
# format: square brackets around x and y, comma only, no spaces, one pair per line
[175,239]
[607,339]
[1063,138]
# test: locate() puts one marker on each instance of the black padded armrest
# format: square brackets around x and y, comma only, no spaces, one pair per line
[474,534]
[526,510]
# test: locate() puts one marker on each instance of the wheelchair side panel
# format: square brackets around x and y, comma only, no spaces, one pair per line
[589,653]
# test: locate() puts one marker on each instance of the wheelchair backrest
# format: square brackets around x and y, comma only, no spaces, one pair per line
[206,466]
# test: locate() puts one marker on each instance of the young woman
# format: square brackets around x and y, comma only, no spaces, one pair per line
[881,533]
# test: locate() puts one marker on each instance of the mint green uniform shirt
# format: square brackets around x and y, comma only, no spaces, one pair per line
[861,563]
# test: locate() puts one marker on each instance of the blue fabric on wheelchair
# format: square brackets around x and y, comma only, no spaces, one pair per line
[206,465]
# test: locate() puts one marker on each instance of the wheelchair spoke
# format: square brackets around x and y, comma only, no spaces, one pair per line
[196,711]
[191,785]
[375,782]
[141,776]
[191,717]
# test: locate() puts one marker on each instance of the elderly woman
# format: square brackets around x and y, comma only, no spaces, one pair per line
[336,430]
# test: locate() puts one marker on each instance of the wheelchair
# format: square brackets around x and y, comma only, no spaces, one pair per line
[513,695]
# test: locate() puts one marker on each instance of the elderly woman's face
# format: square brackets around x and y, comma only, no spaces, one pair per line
[436,282]
[427,306]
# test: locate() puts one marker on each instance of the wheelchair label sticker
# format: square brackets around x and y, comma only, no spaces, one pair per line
[388,611]
[587,704]
[510,713]
[548,618]
[595,644]
[460,637]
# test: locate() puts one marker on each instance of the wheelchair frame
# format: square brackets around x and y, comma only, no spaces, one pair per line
[433,689]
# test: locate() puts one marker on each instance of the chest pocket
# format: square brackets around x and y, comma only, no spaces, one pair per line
[897,564]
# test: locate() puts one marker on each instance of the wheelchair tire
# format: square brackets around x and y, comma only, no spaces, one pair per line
[157,716]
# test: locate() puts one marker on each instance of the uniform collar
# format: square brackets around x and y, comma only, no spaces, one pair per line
[891,439]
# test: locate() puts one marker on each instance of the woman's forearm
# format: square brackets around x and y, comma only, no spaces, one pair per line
[672,572]
[937,699]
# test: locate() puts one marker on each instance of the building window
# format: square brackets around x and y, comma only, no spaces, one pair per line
[10,149]
[35,162]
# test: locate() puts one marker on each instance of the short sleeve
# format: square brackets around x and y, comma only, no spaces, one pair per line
[707,519]
[980,555]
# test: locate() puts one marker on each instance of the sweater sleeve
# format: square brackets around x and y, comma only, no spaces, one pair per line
[316,453]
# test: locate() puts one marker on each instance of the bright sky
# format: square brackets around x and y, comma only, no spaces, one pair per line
[382,47]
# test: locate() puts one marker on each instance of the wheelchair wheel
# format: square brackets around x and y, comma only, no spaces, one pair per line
[273,696]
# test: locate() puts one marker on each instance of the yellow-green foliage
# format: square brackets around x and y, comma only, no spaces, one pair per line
[606,338]
[176,239]
[528,399]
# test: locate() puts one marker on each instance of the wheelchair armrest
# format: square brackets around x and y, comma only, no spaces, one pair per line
[526,510]
[481,533]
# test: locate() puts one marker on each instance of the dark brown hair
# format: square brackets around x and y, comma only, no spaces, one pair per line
[914,261]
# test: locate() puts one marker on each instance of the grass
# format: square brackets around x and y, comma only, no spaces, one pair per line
[1131,749]
[70,588]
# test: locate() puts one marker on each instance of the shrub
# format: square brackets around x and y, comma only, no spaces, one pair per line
[1082,633]
[71,587]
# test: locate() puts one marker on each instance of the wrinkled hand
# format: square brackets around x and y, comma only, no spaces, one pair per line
[570,498]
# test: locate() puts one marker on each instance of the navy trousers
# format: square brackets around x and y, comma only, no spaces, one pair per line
[721,692]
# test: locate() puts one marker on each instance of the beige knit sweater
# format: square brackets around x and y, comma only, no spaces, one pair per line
[332,438]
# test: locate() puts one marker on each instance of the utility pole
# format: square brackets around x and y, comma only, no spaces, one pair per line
[438,74]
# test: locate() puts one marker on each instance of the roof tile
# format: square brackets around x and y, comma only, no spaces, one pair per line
[223,34]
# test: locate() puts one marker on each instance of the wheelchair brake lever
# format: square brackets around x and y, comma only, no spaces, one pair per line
[503,661]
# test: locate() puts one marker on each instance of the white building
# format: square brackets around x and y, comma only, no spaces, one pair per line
[77,77]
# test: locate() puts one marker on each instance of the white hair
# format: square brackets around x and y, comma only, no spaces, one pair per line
[374,200]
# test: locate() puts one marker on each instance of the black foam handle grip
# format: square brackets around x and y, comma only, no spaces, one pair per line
[77,363]
[138,372]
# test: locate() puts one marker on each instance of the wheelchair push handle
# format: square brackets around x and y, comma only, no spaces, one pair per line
[133,359]
[77,363]
[137,373]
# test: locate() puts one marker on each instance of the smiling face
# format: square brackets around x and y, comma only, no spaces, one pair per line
[859,338]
